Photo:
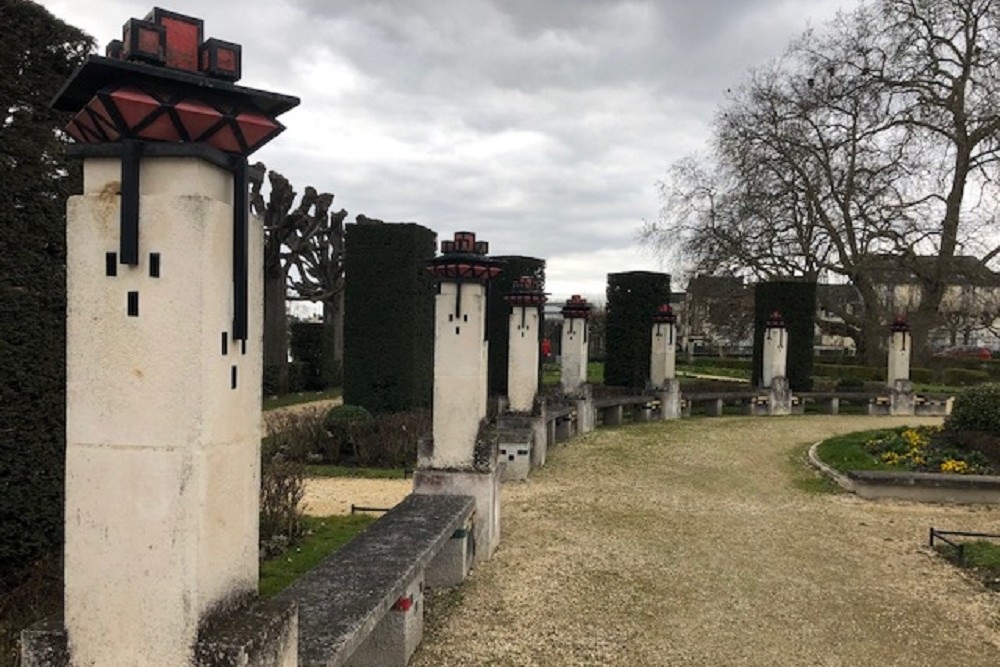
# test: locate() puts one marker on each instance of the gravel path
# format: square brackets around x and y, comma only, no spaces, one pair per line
[335,495]
[689,543]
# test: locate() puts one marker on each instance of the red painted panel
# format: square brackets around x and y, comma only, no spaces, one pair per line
[134,105]
[225,140]
[161,129]
[197,117]
[256,128]
[183,40]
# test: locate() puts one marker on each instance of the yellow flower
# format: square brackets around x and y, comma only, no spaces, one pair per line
[954,466]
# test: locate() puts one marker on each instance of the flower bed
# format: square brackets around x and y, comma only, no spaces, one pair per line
[925,449]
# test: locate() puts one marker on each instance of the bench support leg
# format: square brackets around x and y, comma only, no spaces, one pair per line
[397,635]
[483,486]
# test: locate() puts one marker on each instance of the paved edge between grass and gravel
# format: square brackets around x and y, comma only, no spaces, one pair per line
[842,480]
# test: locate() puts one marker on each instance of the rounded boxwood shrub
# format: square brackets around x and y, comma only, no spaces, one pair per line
[977,409]
[341,423]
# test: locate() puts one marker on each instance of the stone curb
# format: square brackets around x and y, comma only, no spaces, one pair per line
[838,477]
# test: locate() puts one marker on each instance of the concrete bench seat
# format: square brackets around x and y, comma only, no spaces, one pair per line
[363,605]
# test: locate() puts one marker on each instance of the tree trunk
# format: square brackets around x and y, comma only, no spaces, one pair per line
[333,340]
[275,331]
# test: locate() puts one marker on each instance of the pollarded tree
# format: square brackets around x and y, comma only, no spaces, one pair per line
[875,138]
[317,255]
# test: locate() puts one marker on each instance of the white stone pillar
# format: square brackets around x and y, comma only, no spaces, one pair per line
[900,344]
[775,349]
[457,461]
[574,350]
[163,415]
[525,300]
[662,363]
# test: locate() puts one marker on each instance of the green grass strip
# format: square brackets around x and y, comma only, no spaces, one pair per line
[847,452]
[324,535]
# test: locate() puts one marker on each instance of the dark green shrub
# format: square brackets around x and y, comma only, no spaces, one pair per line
[922,375]
[498,314]
[38,53]
[306,346]
[389,322]
[343,423]
[796,301]
[390,440]
[298,376]
[269,381]
[961,377]
[842,371]
[632,297]
[850,383]
[977,409]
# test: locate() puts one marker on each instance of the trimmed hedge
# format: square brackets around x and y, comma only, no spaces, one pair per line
[977,409]
[38,53]
[961,377]
[796,301]
[388,317]
[306,346]
[498,315]
[632,297]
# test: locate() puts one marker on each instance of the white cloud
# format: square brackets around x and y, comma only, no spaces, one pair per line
[542,125]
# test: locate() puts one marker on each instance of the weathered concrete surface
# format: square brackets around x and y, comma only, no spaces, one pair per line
[344,598]
[690,542]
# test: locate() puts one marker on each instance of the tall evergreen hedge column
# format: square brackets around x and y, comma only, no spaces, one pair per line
[388,316]
[796,301]
[512,268]
[632,297]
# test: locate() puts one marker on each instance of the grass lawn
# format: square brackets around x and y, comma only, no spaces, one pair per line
[847,452]
[324,535]
[551,373]
[982,557]
[324,470]
[272,402]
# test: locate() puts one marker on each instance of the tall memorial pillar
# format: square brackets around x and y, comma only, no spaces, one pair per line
[521,430]
[662,365]
[900,345]
[775,356]
[164,330]
[461,459]
[901,397]
[575,313]
[525,300]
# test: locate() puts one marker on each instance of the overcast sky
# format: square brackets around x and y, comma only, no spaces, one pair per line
[541,125]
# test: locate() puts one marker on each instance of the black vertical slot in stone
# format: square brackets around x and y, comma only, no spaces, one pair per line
[111,264]
[133,304]
[129,221]
[154,265]
[232,377]
[243,345]
[240,249]
[225,343]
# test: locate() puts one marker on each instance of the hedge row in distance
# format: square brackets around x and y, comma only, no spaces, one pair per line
[796,301]
[633,297]
[388,316]
[498,314]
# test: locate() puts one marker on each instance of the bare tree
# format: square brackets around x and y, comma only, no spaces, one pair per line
[317,255]
[286,232]
[874,138]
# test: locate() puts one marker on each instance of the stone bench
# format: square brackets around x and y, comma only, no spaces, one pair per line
[363,605]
